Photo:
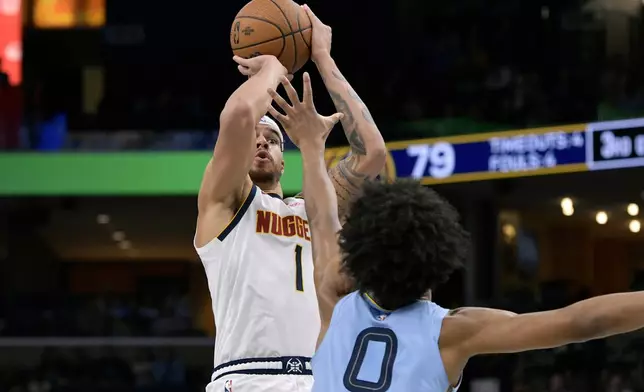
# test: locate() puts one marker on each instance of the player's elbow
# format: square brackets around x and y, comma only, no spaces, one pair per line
[584,326]
[379,153]
[237,113]
[375,159]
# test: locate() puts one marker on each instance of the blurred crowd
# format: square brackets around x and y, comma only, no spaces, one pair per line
[463,82]
[105,369]
[94,315]
[472,70]
[611,365]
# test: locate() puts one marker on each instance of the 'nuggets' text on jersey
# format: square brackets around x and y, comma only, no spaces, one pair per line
[269,222]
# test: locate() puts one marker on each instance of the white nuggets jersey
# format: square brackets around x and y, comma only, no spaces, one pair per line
[260,275]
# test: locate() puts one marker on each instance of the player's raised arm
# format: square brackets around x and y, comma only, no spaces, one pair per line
[368,151]
[226,177]
[309,130]
[489,331]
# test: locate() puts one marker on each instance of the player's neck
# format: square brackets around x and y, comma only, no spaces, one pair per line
[271,187]
[427,296]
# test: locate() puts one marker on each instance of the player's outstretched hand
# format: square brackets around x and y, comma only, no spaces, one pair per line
[301,121]
[321,37]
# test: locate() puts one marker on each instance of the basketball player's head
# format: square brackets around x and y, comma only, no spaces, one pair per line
[401,240]
[268,164]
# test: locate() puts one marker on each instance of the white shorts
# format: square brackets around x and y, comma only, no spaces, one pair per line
[285,374]
[261,383]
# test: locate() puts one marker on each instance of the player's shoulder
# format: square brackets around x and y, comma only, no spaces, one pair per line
[461,323]
[294,201]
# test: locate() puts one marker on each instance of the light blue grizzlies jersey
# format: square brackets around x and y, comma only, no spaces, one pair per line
[367,349]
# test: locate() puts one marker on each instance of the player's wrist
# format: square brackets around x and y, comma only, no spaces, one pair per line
[323,60]
[311,146]
[275,66]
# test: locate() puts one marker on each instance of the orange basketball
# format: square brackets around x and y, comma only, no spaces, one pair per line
[277,27]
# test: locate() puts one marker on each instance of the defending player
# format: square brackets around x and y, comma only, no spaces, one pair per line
[255,247]
[398,243]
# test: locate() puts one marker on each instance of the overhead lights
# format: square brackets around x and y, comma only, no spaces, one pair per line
[125,245]
[568,212]
[118,236]
[102,219]
[567,207]
[601,217]
[509,232]
[634,226]
[566,203]
[633,209]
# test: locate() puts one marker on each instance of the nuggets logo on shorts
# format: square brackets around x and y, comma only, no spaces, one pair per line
[294,365]
[228,387]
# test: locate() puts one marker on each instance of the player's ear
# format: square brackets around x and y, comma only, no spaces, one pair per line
[282,167]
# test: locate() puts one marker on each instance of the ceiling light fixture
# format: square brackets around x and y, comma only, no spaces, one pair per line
[601,217]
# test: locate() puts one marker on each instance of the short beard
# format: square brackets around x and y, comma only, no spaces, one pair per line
[264,177]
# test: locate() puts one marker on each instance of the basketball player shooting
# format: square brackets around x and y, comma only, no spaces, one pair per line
[398,242]
[256,246]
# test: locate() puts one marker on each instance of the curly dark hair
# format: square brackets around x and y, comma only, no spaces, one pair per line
[401,240]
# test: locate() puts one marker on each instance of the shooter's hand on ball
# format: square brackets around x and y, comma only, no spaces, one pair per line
[249,67]
[253,66]
[321,37]
[301,122]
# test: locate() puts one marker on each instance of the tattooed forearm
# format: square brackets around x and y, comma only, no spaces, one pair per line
[355,95]
[339,76]
[367,116]
[349,122]
[367,147]
[356,143]
[342,106]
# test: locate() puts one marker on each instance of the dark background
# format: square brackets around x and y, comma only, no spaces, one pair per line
[106,293]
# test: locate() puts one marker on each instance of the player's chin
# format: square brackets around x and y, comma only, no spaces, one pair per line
[262,173]
[261,167]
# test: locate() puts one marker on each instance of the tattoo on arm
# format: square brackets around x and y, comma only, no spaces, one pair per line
[454,311]
[338,76]
[349,122]
[367,116]
[342,106]
[355,95]
[347,182]
[356,143]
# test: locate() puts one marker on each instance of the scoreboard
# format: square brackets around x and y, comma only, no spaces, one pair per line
[530,152]
[615,145]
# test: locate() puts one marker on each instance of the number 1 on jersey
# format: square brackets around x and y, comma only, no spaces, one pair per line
[299,283]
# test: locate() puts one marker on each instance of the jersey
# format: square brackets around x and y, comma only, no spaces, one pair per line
[369,349]
[260,276]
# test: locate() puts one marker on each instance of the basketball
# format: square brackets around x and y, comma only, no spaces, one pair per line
[273,27]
